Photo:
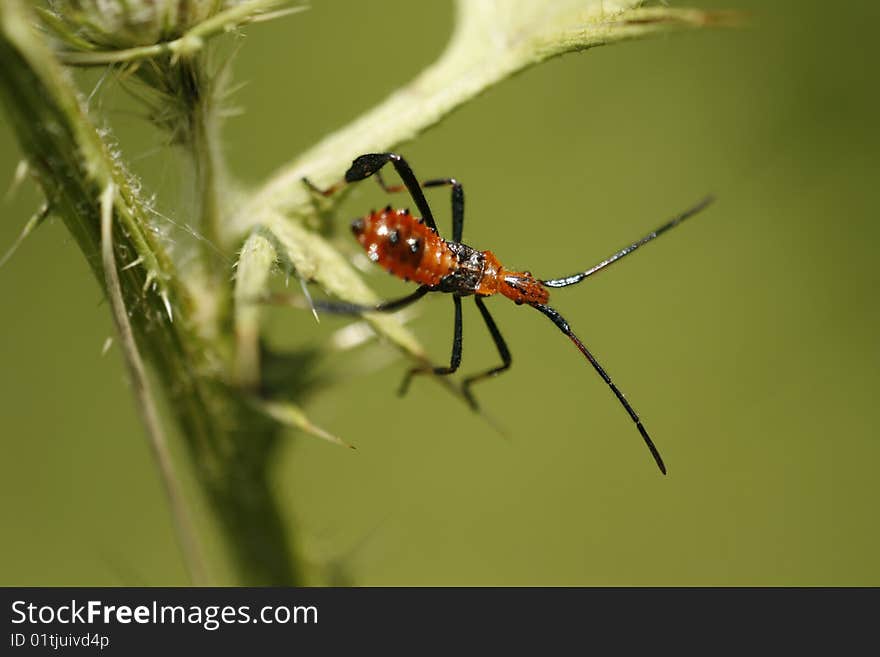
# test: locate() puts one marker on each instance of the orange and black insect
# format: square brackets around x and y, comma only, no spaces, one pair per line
[411,248]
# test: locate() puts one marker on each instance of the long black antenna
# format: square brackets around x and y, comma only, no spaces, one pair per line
[577,278]
[563,326]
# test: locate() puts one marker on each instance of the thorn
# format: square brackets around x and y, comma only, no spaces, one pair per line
[305,289]
[98,86]
[129,71]
[32,223]
[167,303]
[293,416]
[272,15]
[318,432]
[21,171]
[133,264]
[151,277]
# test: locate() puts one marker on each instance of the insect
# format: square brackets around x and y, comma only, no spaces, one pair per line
[411,248]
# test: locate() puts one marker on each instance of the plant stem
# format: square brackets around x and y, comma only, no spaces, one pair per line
[203,149]
[230,443]
[146,406]
[491,42]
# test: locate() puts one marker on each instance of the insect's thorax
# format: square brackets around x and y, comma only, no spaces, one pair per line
[469,272]
[408,249]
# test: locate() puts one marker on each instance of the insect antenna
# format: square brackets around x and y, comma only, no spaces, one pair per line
[577,278]
[563,326]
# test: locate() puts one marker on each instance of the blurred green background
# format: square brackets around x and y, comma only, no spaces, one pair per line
[747,339]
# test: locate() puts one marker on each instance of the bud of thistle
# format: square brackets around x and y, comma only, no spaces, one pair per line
[119,24]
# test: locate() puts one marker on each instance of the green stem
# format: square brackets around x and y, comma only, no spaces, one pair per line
[230,443]
[203,149]
[144,398]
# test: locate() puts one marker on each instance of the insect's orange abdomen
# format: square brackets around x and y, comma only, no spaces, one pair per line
[404,246]
[518,286]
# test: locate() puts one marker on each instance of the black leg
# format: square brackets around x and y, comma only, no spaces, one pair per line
[345,308]
[457,203]
[454,361]
[563,326]
[366,165]
[503,351]
[371,164]
[457,198]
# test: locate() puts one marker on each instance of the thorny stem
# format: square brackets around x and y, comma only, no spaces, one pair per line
[230,442]
[482,52]
[185,530]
